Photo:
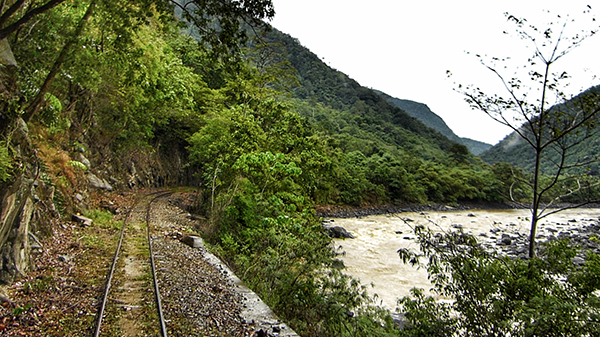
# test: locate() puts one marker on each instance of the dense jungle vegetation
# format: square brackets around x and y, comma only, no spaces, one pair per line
[268,129]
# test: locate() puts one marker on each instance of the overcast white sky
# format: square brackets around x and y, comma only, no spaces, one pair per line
[404,48]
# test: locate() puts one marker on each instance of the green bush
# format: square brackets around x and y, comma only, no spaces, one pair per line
[495,295]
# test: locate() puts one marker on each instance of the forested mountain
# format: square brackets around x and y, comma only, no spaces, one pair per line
[515,150]
[424,114]
[360,111]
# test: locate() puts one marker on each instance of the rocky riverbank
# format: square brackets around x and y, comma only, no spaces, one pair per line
[344,212]
[372,255]
[514,242]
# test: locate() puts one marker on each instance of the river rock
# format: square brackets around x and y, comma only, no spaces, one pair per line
[399,320]
[339,232]
[506,240]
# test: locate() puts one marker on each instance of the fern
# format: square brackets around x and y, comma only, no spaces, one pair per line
[77,164]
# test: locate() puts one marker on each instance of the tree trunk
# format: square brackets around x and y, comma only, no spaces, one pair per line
[40,98]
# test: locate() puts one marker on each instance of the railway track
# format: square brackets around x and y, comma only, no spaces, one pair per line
[200,296]
[133,284]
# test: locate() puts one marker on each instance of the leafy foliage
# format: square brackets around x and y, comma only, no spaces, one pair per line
[262,168]
[269,136]
[497,296]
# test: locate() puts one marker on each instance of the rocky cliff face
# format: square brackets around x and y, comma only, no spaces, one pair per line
[27,209]
[20,203]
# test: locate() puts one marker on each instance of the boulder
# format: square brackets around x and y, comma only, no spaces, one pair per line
[399,320]
[99,183]
[82,159]
[506,240]
[339,232]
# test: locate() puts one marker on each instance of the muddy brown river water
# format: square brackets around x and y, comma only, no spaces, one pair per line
[372,255]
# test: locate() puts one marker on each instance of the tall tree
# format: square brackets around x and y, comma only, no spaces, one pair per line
[223,25]
[551,131]
[39,99]
[20,12]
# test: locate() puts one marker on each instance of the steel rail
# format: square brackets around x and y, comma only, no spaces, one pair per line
[163,328]
[100,313]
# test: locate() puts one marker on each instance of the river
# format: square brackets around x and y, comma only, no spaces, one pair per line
[372,255]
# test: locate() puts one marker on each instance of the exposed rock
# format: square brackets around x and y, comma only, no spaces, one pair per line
[6,56]
[15,216]
[339,232]
[82,159]
[99,183]
[82,220]
[399,319]
[192,241]
[17,208]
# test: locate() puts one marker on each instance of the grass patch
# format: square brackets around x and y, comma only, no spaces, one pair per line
[103,219]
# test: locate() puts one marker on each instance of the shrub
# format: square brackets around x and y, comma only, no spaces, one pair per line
[498,296]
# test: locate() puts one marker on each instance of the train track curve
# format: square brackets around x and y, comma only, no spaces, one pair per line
[194,293]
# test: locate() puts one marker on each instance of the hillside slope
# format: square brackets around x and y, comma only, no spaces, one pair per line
[515,150]
[362,112]
[424,114]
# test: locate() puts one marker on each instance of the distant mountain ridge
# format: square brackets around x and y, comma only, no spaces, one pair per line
[422,112]
[515,150]
[357,111]
[394,121]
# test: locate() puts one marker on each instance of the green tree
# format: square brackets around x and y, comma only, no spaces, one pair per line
[495,295]
[221,25]
[18,13]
